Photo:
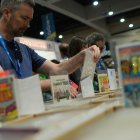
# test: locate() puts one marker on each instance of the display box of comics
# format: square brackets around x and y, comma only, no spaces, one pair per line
[128,57]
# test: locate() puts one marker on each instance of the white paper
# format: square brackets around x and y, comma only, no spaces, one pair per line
[29,96]
[112,79]
[87,75]
[87,87]
[88,66]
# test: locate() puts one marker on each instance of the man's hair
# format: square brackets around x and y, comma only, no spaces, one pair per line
[13,4]
[94,37]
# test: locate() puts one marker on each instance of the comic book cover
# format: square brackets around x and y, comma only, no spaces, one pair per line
[8,108]
[129,68]
[103,82]
[60,87]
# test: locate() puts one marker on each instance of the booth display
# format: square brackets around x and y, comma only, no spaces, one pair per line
[91,115]
[46,49]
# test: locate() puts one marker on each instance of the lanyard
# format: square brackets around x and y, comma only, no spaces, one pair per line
[18,70]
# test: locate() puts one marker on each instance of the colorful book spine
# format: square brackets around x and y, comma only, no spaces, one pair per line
[8,108]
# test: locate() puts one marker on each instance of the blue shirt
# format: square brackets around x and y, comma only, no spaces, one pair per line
[100,65]
[31,61]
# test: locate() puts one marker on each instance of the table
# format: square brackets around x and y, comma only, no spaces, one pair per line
[61,119]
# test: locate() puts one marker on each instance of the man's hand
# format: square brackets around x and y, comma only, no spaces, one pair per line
[96,52]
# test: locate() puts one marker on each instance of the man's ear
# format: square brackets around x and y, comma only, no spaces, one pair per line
[6,13]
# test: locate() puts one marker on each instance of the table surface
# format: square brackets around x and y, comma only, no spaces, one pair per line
[64,117]
[124,124]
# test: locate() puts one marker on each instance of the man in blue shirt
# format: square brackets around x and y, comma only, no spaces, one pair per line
[29,60]
[16,16]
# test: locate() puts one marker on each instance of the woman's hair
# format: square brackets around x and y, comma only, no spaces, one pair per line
[63,47]
[76,45]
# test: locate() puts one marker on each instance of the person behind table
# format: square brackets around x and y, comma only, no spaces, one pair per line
[15,19]
[76,45]
[97,39]
[63,47]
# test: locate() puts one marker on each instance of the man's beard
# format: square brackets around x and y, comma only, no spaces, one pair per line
[15,33]
[19,32]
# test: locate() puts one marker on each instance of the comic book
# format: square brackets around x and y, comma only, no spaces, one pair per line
[103,82]
[112,79]
[60,87]
[8,108]
[128,56]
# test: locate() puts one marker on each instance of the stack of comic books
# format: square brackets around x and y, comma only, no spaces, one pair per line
[8,107]
[128,57]
[19,97]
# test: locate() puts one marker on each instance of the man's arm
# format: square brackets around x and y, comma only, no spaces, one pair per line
[69,66]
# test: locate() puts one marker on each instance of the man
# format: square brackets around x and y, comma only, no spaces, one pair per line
[98,39]
[16,16]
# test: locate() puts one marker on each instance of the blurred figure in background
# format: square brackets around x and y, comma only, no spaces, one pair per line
[63,47]
[105,60]
[98,39]
[76,45]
